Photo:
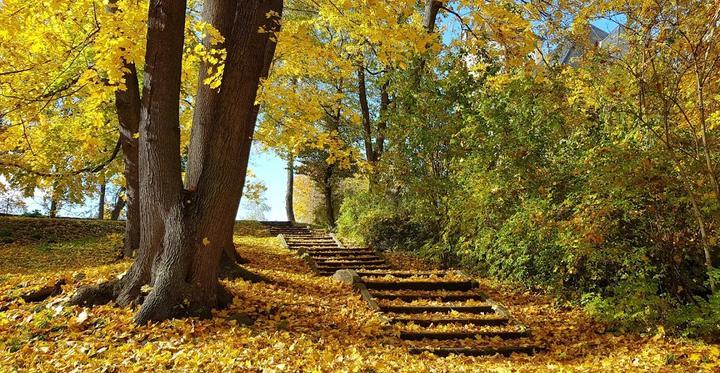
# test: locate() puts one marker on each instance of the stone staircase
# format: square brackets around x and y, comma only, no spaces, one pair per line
[440,312]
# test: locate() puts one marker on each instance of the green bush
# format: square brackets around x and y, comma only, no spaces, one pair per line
[375,221]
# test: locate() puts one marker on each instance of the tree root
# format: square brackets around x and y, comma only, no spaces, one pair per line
[95,295]
[44,293]
[167,302]
[232,271]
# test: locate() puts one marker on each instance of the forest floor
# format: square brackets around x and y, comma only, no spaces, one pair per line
[300,322]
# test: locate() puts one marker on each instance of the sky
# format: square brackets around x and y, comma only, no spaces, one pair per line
[267,167]
[270,170]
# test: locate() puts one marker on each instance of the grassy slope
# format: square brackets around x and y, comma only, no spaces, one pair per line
[302,322]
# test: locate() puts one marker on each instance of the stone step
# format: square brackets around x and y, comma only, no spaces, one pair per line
[321,246]
[337,253]
[400,274]
[419,285]
[447,335]
[495,321]
[349,262]
[335,267]
[345,257]
[302,241]
[444,309]
[441,297]
[311,242]
[331,270]
[486,351]
[311,239]
[338,250]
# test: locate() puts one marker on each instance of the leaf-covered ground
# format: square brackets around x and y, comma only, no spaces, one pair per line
[301,323]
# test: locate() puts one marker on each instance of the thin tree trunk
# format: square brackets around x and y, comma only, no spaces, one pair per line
[365,110]
[703,237]
[429,17]
[101,202]
[54,200]
[289,191]
[118,206]
[382,123]
[328,194]
[370,153]
[53,207]
[128,105]
[703,125]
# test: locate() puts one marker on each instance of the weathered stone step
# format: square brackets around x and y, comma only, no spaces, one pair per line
[485,351]
[349,262]
[309,240]
[344,257]
[311,244]
[335,267]
[312,239]
[441,297]
[337,253]
[419,285]
[446,335]
[445,309]
[495,321]
[400,274]
[338,250]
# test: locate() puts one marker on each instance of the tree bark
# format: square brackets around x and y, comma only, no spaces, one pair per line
[101,202]
[118,207]
[289,191]
[382,124]
[53,207]
[366,121]
[220,148]
[211,101]
[430,16]
[185,230]
[127,106]
[328,194]
[54,200]
[373,152]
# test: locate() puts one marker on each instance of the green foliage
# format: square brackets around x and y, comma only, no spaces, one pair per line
[518,186]
[373,220]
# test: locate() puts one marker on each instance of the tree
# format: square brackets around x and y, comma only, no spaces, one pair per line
[184,227]
[332,85]
[289,190]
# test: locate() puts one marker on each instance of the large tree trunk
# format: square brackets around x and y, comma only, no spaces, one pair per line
[207,115]
[183,232]
[289,191]
[101,201]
